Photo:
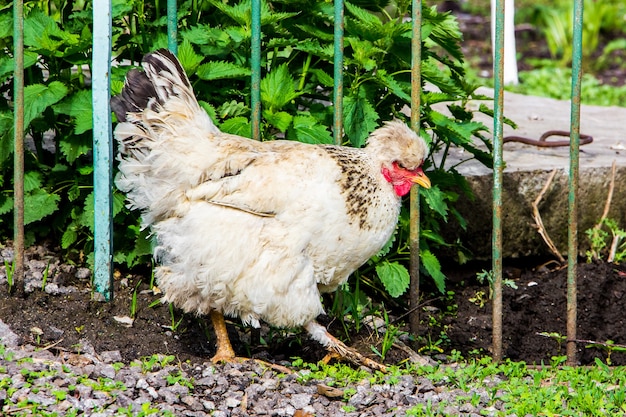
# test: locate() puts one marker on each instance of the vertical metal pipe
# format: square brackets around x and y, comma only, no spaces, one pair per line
[498,166]
[572,241]
[255,95]
[416,91]
[338,73]
[102,149]
[18,142]
[172,27]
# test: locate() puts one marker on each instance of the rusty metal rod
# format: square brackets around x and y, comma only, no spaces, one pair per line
[338,72]
[414,230]
[498,167]
[255,61]
[172,27]
[18,143]
[572,236]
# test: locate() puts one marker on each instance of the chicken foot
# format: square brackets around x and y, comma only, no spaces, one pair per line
[225,352]
[338,348]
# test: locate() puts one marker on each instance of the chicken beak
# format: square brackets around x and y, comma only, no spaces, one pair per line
[420,178]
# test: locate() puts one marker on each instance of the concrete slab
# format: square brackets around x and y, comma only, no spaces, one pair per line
[528,168]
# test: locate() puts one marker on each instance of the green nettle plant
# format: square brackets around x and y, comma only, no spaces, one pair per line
[214,48]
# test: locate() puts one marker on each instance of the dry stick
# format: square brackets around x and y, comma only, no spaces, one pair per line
[616,237]
[539,222]
[609,197]
[594,342]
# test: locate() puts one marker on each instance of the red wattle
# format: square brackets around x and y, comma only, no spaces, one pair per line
[400,185]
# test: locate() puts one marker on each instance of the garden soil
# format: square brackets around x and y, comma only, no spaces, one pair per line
[64,316]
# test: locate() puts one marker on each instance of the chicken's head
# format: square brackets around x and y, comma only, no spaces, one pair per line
[401,153]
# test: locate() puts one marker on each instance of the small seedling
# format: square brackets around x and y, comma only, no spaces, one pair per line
[45,277]
[389,337]
[175,324]
[599,242]
[133,302]
[609,347]
[487,276]
[9,268]
[557,337]
[36,332]
[479,299]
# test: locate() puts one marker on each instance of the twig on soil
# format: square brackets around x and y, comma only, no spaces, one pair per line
[616,237]
[50,346]
[609,197]
[593,342]
[539,223]
[17,410]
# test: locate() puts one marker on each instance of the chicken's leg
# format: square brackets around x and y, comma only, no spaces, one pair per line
[225,352]
[336,346]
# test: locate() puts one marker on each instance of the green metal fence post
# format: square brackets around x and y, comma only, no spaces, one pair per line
[102,150]
[572,241]
[18,142]
[498,166]
[416,91]
[338,72]
[172,27]
[255,61]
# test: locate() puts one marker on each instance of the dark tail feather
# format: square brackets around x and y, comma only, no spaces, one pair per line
[139,87]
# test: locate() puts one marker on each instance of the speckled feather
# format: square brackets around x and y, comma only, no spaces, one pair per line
[251,229]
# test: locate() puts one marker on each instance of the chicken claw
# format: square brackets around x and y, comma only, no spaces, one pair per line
[338,349]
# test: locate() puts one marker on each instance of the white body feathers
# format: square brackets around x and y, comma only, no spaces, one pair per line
[251,229]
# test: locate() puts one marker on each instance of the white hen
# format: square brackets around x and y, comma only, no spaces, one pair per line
[255,230]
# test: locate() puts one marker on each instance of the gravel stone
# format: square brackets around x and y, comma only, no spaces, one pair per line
[92,386]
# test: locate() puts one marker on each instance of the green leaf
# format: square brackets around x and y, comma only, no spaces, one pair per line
[119,202]
[218,70]
[360,118]
[32,181]
[75,146]
[363,16]
[86,217]
[6,25]
[188,57]
[323,78]
[38,97]
[313,47]
[7,64]
[232,108]
[457,132]
[6,204]
[278,88]
[39,204]
[432,266]
[69,237]
[395,277]
[306,129]
[237,126]
[364,53]
[385,249]
[394,86]
[6,136]
[42,33]
[280,120]
[436,200]
[209,109]
[79,107]
[205,35]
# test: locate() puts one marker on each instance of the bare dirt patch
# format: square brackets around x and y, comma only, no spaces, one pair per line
[68,317]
